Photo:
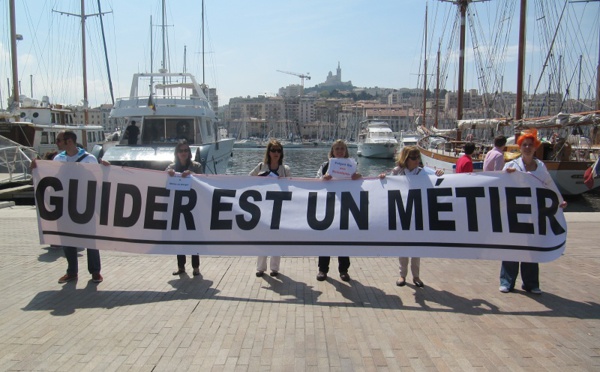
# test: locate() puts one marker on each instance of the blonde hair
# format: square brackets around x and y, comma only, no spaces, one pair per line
[339,143]
[405,153]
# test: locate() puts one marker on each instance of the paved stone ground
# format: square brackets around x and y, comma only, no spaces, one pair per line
[141,318]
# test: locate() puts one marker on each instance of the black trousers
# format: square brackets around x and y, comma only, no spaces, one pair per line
[343,264]
[195,261]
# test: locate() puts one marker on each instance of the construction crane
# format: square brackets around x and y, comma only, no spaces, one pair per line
[301,76]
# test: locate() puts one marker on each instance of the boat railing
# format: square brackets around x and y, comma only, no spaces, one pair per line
[161,101]
[15,162]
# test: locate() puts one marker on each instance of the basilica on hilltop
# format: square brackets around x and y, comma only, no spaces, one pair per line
[335,81]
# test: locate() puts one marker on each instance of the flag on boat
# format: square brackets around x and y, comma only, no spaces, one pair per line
[151,103]
[591,173]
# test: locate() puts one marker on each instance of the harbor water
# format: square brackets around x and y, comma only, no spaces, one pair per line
[305,162]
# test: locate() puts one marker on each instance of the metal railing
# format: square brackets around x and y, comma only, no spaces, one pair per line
[15,162]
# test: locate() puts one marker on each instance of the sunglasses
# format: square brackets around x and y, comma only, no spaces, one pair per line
[276,150]
[413,157]
[183,150]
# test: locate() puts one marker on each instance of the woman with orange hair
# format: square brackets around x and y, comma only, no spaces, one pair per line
[528,143]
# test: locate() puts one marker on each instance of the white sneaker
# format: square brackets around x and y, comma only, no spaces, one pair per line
[504,289]
[536,291]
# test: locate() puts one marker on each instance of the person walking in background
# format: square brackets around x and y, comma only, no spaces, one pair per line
[131,133]
[407,164]
[338,150]
[271,166]
[66,141]
[494,159]
[528,143]
[184,165]
[465,162]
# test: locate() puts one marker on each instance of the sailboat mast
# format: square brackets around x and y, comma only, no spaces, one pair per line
[461,60]
[425,73]
[521,61]
[13,50]
[203,75]
[84,62]
[437,88]
[164,37]
[110,85]
[598,75]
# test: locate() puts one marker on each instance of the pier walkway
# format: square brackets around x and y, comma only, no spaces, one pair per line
[141,318]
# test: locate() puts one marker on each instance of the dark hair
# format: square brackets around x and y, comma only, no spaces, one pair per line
[50,155]
[469,148]
[69,134]
[500,141]
[273,143]
[178,166]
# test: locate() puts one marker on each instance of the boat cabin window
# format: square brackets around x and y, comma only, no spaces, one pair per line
[168,130]
[209,127]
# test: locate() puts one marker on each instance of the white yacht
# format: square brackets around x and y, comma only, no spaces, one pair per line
[168,107]
[376,140]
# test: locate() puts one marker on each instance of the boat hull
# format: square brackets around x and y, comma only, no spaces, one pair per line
[567,175]
[377,150]
[213,156]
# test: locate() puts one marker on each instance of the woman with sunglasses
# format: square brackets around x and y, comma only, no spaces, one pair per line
[271,166]
[528,144]
[408,163]
[339,150]
[185,165]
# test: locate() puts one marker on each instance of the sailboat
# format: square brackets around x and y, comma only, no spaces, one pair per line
[566,151]
[169,107]
[36,123]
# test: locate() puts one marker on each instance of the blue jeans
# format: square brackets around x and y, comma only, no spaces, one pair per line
[530,272]
[93,259]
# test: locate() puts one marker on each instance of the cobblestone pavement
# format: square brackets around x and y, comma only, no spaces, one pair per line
[142,318]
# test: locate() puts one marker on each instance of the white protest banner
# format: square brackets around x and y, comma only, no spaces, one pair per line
[341,168]
[488,215]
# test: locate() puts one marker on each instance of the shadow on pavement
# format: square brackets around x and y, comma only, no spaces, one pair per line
[67,300]
[51,254]
[285,286]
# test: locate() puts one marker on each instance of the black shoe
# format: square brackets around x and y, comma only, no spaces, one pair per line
[321,276]
[196,272]
[274,273]
[418,282]
[259,273]
[179,271]
[345,277]
[401,282]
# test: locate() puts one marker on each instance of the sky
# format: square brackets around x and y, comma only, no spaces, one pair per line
[378,43]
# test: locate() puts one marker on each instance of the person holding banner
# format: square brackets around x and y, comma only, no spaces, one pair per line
[271,166]
[185,166]
[66,141]
[339,150]
[528,143]
[407,164]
